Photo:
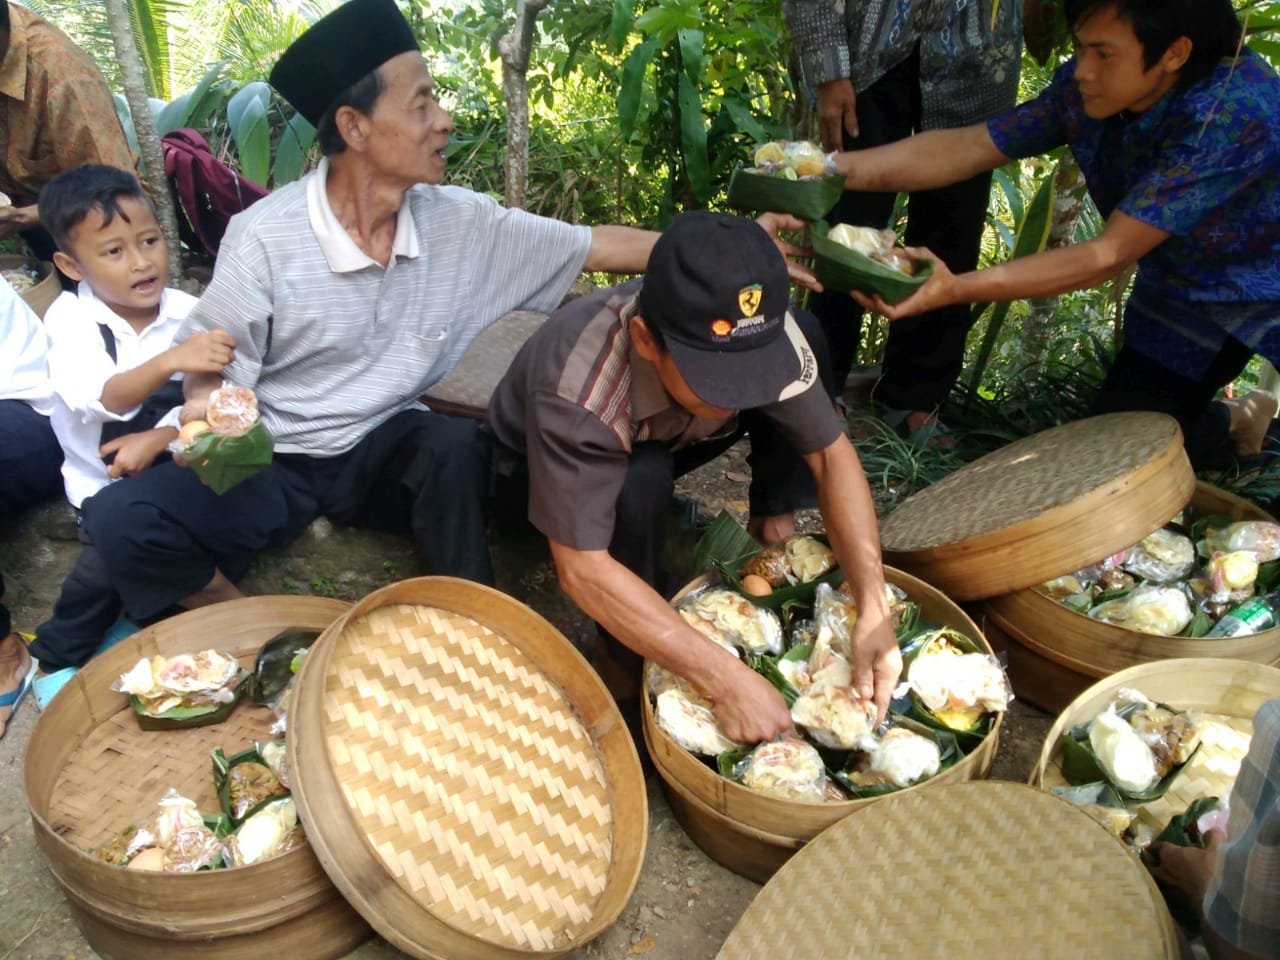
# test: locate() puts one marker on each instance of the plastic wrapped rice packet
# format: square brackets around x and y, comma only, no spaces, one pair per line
[690,720]
[1163,611]
[956,687]
[787,769]
[188,844]
[836,717]
[1164,556]
[735,619]
[272,830]
[1259,537]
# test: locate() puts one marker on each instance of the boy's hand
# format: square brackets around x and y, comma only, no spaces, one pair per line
[204,352]
[134,452]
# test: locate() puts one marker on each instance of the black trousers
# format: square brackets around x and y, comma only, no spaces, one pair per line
[1136,382]
[86,607]
[163,534]
[924,353]
[30,460]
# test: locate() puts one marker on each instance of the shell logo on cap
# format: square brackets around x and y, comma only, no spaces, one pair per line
[749,299]
[721,327]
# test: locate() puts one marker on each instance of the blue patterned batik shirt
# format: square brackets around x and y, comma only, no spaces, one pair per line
[1202,164]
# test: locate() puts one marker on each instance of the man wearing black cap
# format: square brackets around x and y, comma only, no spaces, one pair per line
[622,391]
[348,294]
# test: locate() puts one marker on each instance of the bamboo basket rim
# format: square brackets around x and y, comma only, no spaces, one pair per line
[1225,694]
[1032,544]
[923,838]
[86,707]
[737,796]
[344,844]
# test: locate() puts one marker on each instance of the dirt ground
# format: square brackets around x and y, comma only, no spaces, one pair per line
[684,904]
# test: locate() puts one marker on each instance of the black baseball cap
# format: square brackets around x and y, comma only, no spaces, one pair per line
[337,50]
[717,290]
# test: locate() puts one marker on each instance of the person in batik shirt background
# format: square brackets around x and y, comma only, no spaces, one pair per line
[1176,127]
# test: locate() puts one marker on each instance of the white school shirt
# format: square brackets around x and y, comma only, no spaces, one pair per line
[24,352]
[80,367]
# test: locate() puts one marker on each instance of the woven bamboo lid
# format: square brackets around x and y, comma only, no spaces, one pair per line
[1043,506]
[966,870]
[465,776]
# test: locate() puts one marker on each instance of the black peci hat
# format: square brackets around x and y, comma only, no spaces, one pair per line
[337,50]
[717,289]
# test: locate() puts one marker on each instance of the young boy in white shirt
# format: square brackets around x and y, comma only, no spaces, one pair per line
[116,372]
[29,460]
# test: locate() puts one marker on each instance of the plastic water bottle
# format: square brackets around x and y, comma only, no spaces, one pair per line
[1253,616]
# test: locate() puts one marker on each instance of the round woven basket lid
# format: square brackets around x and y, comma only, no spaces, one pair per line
[965,871]
[464,776]
[1042,506]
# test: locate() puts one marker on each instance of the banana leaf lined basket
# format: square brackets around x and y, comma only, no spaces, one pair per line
[754,834]
[840,268]
[90,771]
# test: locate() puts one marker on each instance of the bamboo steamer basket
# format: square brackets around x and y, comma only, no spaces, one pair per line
[1030,511]
[946,887]
[465,776]
[1055,653]
[754,834]
[46,288]
[90,771]
[1222,695]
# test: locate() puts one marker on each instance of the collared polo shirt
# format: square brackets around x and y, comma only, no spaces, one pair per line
[24,353]
[577,399]
[333,343]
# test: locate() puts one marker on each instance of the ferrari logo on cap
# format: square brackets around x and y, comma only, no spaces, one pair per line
[749,299]
[721,327]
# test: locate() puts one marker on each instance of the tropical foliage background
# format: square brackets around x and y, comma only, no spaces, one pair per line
[636,109]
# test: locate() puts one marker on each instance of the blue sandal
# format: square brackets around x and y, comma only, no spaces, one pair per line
[15,696]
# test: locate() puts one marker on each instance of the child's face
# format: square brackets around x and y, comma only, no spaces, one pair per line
[125,261]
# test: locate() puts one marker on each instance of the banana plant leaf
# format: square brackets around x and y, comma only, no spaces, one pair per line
[1200,624]
[222,767]
[1182,830]
[726,546]
[909,624]
[1098,792]
[1079,602]
[729,763]
[1081,765]
[767,667]
[219,824]
[222,461]
[807,199]
[724,539]
[840,268]
[274,667]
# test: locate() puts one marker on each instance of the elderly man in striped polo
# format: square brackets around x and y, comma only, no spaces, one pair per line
[348,294]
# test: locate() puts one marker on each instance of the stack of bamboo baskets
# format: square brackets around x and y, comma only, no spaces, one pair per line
[1046,506]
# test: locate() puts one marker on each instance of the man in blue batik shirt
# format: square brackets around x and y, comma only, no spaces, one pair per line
[1176,127]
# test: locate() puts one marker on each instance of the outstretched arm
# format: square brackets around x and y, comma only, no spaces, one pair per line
[935,158]
[1122,243]
[748,708]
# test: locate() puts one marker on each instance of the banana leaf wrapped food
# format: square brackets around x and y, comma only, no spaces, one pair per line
[230,444]
[953,685]
[1259,537]
[245,783]
[1136,745]
[786,769]
[787,176]
[835,716]
[178,839]
[892,273]
[1101,802]
[185,690]
[1191,827]
[735,619]
[1150,608]
[898,759]
[1164,556]
[274,668]
[125,845]
[690,720]
[271,830]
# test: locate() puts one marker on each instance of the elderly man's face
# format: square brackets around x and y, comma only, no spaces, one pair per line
[408,129]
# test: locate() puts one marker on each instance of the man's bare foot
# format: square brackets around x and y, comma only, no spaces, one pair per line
[215,591]
[15,664]
[1251,415]
[771,530]
[928,429]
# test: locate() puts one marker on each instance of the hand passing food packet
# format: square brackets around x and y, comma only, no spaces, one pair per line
[229,444]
